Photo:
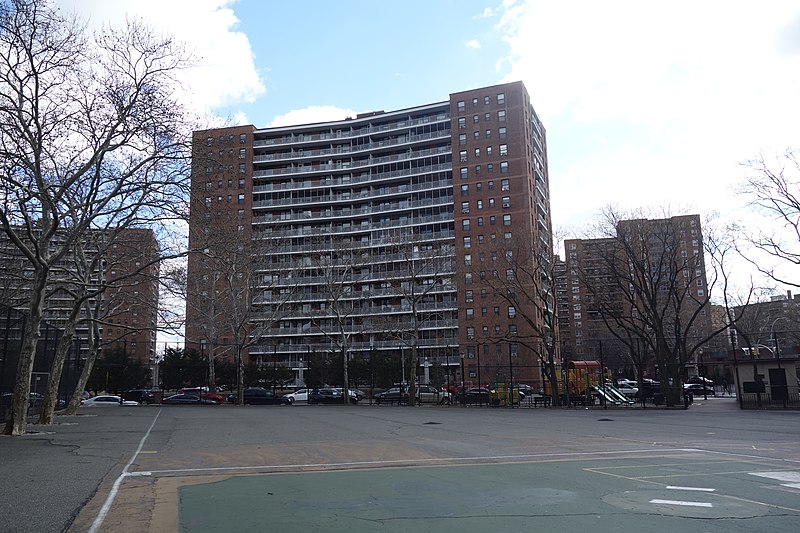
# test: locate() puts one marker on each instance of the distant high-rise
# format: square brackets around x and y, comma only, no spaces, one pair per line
[127,269]
[651,274]
[377,233]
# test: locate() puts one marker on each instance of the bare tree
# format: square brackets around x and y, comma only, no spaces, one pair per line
[774,190]
[527,281]
[337,269]
[89,129]
[422,274]
[649,288]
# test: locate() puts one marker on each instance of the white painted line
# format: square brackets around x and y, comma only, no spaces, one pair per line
[789,477]
[101,516]
[676,502]
[672,487]
[409,461]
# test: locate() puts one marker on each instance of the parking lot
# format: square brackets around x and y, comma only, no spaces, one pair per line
[388,468]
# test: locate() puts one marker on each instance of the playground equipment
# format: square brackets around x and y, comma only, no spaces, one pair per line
[583,382]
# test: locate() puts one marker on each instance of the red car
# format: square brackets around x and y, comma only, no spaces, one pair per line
[203,393]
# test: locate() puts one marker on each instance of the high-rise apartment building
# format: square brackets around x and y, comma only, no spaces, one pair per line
[372,234]
[650,274]
[127,271]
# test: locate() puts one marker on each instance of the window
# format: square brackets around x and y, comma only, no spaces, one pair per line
[501,132]
[503,149]
[487,117]
[501,116]
[465,224]
[490,168]
[491,185]
[468,260]
[477,152]
[476,119]
[492,220]
[240,199]
[485,100]
[505,185]
[488,134]
[512,311]
[489,151]
[476,135]
[512,330]
[465,190]
[208,201]
[463,172]
[491,202]
[485,312]
[480,223]
[468,296]
[461,106]
[241,168]
[477,170]
[462,123]
[468,278]
[501,99]
[467,242]
[241,183]
[465,207]
[242,153]
[507,235]
[462,139]
[506,220]
[470,313]
[509,274]
[506,202]
[462,156]
[504,167]
[242,138]
[471,335]
[474,102]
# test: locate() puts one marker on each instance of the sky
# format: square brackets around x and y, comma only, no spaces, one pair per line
[646,104]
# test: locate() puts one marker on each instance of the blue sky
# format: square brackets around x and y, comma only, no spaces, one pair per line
[646,104]
[366,55]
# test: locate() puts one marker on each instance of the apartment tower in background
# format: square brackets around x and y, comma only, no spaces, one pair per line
[356,235]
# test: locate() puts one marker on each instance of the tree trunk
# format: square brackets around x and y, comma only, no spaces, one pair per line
[64,345]
[412,371]
[22,385]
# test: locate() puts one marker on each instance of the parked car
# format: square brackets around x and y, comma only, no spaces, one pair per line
[300,395]
[699,390]
[104,400]
[392,395]
[431,394]
[203,393]
[262,396]
[628,390]
[475,395]
[139,395]
[188,399]
[328,395]
[701,381]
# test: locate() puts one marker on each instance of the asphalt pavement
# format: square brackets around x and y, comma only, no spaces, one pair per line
[390,468]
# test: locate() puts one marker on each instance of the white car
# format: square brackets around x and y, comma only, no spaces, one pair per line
[300,395]
[628,390]
[107,400]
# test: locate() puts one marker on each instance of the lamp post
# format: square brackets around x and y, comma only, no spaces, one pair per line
[480,396]
[462,375]
[782,384]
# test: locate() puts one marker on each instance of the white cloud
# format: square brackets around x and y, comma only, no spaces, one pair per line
[224,73]
[474,43]
[702,86]
[312,114]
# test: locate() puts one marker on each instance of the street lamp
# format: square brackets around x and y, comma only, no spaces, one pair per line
[462,374]
[782,383]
